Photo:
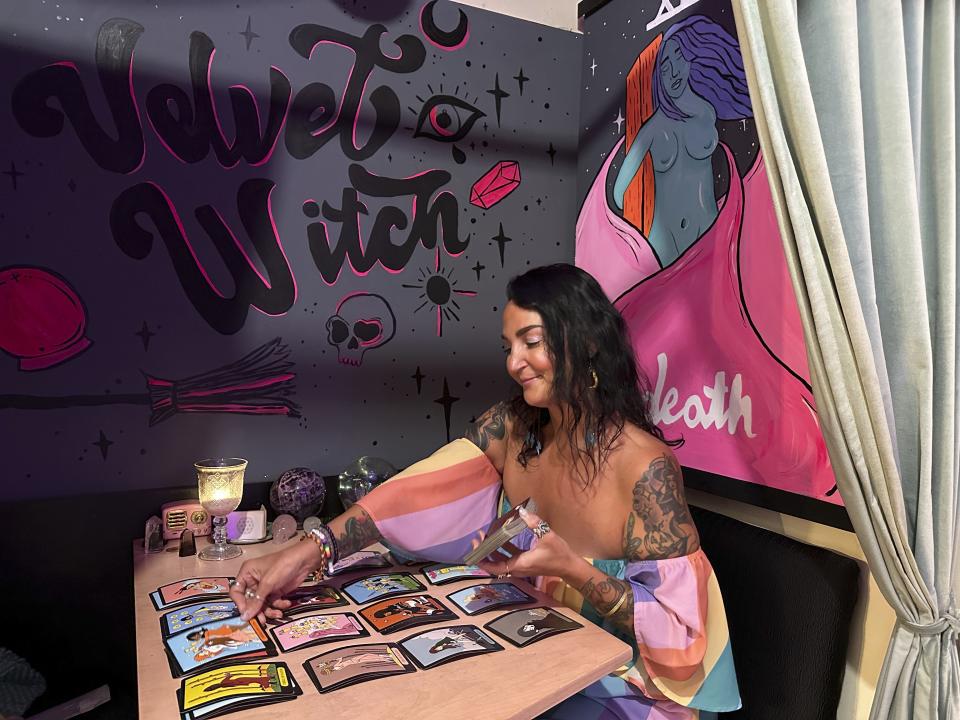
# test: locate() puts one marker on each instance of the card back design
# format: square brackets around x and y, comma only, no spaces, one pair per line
[378,587]
[355,664]
[442,645]
[313,630]
[477,599]
[394,614]
[525,626]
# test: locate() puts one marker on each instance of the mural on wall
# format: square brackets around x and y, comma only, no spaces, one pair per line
[678,225]
[346,171]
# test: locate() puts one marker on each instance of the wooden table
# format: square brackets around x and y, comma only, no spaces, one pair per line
[516,683]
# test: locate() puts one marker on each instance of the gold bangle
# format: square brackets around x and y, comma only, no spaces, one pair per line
[617,606]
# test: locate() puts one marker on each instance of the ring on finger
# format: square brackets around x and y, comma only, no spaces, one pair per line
[250,594]
[541,529]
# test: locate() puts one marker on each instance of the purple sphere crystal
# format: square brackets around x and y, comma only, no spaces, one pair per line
[299,492]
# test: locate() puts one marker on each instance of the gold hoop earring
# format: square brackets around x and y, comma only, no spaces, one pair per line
[595,381]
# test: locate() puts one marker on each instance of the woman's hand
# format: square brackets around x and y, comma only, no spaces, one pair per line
[548,555]
[262,582]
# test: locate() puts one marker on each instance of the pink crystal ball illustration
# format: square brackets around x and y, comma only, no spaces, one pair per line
[43,319]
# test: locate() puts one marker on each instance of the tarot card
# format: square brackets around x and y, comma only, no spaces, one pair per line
[313,597]
[360,560]
[317,630]
[377,587]
[356,663]
[190,616]
[234,687]
[400,613]
[435,647]
[476,599]
[522,627]
[191,589]
[217,643]
[440,574]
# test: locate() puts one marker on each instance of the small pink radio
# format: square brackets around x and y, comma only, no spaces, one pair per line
[182,514]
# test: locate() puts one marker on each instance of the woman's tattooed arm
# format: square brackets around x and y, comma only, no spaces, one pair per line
[354,531]
[490,427]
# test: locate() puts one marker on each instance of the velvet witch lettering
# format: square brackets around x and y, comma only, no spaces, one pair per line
[188,126]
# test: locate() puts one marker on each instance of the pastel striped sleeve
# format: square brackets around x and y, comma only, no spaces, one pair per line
[434,508]
[682,636]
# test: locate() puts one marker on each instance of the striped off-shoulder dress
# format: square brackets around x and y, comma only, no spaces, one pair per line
[682,662]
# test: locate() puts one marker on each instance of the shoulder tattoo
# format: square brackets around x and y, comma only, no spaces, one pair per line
[659,525]
[490,426]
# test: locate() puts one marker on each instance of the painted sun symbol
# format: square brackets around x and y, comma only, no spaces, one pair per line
[439,288]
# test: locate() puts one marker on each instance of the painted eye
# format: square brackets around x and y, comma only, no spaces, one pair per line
[446,118]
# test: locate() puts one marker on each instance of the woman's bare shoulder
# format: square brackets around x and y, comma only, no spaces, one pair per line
[636,449]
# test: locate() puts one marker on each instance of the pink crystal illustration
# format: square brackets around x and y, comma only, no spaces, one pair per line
[495,184]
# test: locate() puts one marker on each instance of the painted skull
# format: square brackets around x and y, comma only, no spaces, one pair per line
[363,321]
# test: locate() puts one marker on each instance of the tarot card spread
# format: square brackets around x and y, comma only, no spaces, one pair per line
[356,663]
[217,643]
[235,687]
[522,627]
[377,587]
[436,647]
[481,598]
[317,630]
[395,614]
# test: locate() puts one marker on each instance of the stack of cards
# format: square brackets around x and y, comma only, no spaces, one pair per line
[190,590]
[477,599]
[313,597]
[440,574]
[360,560]
[522,627]
[189,616]
[235,687]
[355,664]
[442,645]
[317,630]
[389,616]
[219,642]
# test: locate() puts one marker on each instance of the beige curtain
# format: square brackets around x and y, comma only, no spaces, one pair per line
[856,104]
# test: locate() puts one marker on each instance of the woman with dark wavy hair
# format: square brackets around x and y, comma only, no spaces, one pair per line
[611,537]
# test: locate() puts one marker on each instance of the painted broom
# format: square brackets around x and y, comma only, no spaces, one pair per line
[259,383]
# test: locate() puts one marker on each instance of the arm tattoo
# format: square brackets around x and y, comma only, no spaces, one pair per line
[358,533]
[660,525]
[606,594]
[490,426]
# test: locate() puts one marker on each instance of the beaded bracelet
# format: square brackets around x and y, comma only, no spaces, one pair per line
[324,538]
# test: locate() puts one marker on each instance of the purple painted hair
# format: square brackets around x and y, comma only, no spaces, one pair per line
[716,69]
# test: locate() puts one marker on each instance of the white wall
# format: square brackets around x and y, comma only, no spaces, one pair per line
[556,13]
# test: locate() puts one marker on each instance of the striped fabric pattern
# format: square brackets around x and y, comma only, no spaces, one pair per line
[434,508]
[682,660]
